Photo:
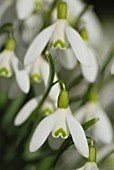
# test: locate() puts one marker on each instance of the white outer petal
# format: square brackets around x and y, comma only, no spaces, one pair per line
[38,45]
[78,135]
[90,73]
[26,111]
[78,45]
[42,132]
[103,129]
[21,75]
[24,8]
[91,166]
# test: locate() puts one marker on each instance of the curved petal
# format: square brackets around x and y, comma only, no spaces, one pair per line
[26,111]
[24,8]
[38,45]
[42,132]
[103,129]
[78,45]
[67,58]
[78,135]
[90,73]
[21,75]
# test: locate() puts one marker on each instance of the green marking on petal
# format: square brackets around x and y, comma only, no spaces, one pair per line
[4,71]
[84,34]
[47,111]
[59,132]
[59,43]
[36,78]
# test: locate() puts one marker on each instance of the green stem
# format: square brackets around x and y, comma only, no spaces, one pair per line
[61,82]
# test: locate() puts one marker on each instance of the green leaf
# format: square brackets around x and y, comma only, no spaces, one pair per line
[90,123]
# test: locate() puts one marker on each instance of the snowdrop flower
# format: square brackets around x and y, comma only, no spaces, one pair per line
[93,109]
[9,65]
[61,123]
[60,35]
[91,161]
[94,28]
[39,72]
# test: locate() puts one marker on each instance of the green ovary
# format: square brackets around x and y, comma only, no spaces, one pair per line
[60,131]
[36,77]
[47,110]
[59,43]
[5,71]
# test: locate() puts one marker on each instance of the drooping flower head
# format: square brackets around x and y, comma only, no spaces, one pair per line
[10,64]
[61,123]
[59,35]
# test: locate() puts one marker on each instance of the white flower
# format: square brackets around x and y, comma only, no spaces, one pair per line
[89,166]
[60,35]
[91,110]
[93,25]
[39,70]
[60,123]
[9,65]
